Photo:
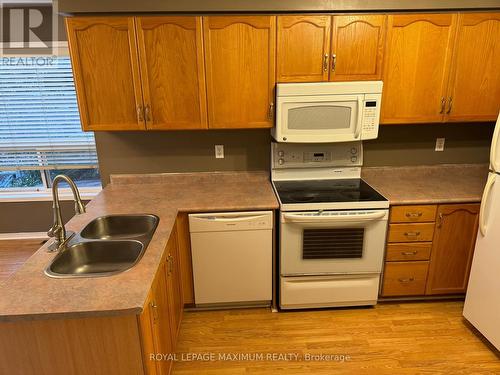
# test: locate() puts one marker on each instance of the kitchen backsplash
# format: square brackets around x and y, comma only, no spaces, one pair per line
[191,151]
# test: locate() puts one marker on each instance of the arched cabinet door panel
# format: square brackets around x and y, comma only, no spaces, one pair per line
[106,72]
[240,67]
[416,68]
[172,72]
[357,47]
[475,87]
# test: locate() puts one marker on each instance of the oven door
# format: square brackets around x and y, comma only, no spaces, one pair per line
[319,118]
[332,242]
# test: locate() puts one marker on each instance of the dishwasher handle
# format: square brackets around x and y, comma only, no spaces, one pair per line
[230,221]
[229,218]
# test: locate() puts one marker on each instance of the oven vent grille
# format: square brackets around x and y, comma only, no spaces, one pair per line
[333,243]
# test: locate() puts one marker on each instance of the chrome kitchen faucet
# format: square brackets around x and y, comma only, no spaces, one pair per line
[58,231]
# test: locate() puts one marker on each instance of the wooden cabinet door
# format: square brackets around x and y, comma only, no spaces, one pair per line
[475,89]
[357,47]
[172,72]
[161,322]
[416,68]
[146,325]
[240,61]
[185,259]
[453,248]
[303,48]
[106,72]
[174,288]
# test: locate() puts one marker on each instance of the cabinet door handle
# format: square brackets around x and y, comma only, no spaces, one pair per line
[325,62]
[443,105]
[406,280]
[154,306]
[147,112]
[409,252]
[270,113]
[413,214]
[450,103]
[140,114]
[440,220]
[171,263]
[334,62]
[412,234]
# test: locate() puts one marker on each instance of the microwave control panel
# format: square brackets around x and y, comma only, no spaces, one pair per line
[371,116]
[299,155]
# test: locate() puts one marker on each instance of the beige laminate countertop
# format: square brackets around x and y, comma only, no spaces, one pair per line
[30,294]
[452,183]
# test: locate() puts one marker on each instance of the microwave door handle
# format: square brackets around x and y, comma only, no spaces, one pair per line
[294,218]
[360,117]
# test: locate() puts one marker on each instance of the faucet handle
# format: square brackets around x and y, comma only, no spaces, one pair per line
[54,231]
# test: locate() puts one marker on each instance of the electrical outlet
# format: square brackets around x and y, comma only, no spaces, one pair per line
[219,151]
[440,144]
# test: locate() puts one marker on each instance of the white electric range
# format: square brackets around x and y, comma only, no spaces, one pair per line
[332,226]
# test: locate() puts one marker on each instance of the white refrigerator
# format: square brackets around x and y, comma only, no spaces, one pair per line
[482,302]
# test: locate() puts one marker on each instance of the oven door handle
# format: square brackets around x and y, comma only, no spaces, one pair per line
[297,218]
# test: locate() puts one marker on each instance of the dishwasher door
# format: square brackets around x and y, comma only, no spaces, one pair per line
[232,257]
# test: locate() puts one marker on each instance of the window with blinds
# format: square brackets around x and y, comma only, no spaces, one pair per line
[39,120]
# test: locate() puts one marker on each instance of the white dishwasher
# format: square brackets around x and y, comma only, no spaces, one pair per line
[232,257]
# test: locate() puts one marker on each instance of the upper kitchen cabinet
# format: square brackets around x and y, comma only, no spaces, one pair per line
[416,69]
[475,90]
[172,72]
[310,49]
[240,68]
[303,48]
[106,72]
[357,47]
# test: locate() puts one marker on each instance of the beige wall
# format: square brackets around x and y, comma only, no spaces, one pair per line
[153,152]
[31,216]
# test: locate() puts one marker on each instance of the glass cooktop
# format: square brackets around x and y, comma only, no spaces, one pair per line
[326,191]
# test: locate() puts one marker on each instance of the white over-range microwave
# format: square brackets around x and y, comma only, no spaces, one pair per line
[325,112]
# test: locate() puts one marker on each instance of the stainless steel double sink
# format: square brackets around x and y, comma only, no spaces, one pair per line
[106,246]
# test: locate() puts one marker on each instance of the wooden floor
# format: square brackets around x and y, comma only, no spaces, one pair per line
[406,338]
[13,254]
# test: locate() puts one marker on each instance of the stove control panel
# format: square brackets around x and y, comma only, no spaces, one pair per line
[300,155]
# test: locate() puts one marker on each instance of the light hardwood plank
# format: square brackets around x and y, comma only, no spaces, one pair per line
[409,338]
[14,253]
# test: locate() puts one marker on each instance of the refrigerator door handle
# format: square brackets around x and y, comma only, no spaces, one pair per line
[494,143]
[483,225]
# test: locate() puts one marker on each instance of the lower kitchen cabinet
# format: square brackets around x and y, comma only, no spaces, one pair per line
[429,249]
[452,249]
[405,278]
[161,318]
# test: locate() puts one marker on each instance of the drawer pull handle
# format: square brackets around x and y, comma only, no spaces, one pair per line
[413,214]
[410,252]
[407,280]
[412,234]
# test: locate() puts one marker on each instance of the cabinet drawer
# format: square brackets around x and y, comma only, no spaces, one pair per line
[413,214]
[405,278]
[417,232]
[408,251]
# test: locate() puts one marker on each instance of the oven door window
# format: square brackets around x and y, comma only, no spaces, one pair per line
[333,243]
[320,117]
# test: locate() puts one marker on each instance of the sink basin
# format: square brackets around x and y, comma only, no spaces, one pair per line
[114,227]
[96,258]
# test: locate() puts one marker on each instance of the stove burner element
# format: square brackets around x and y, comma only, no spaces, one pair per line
[303,197]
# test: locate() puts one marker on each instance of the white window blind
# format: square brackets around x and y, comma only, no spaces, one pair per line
[39,120]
